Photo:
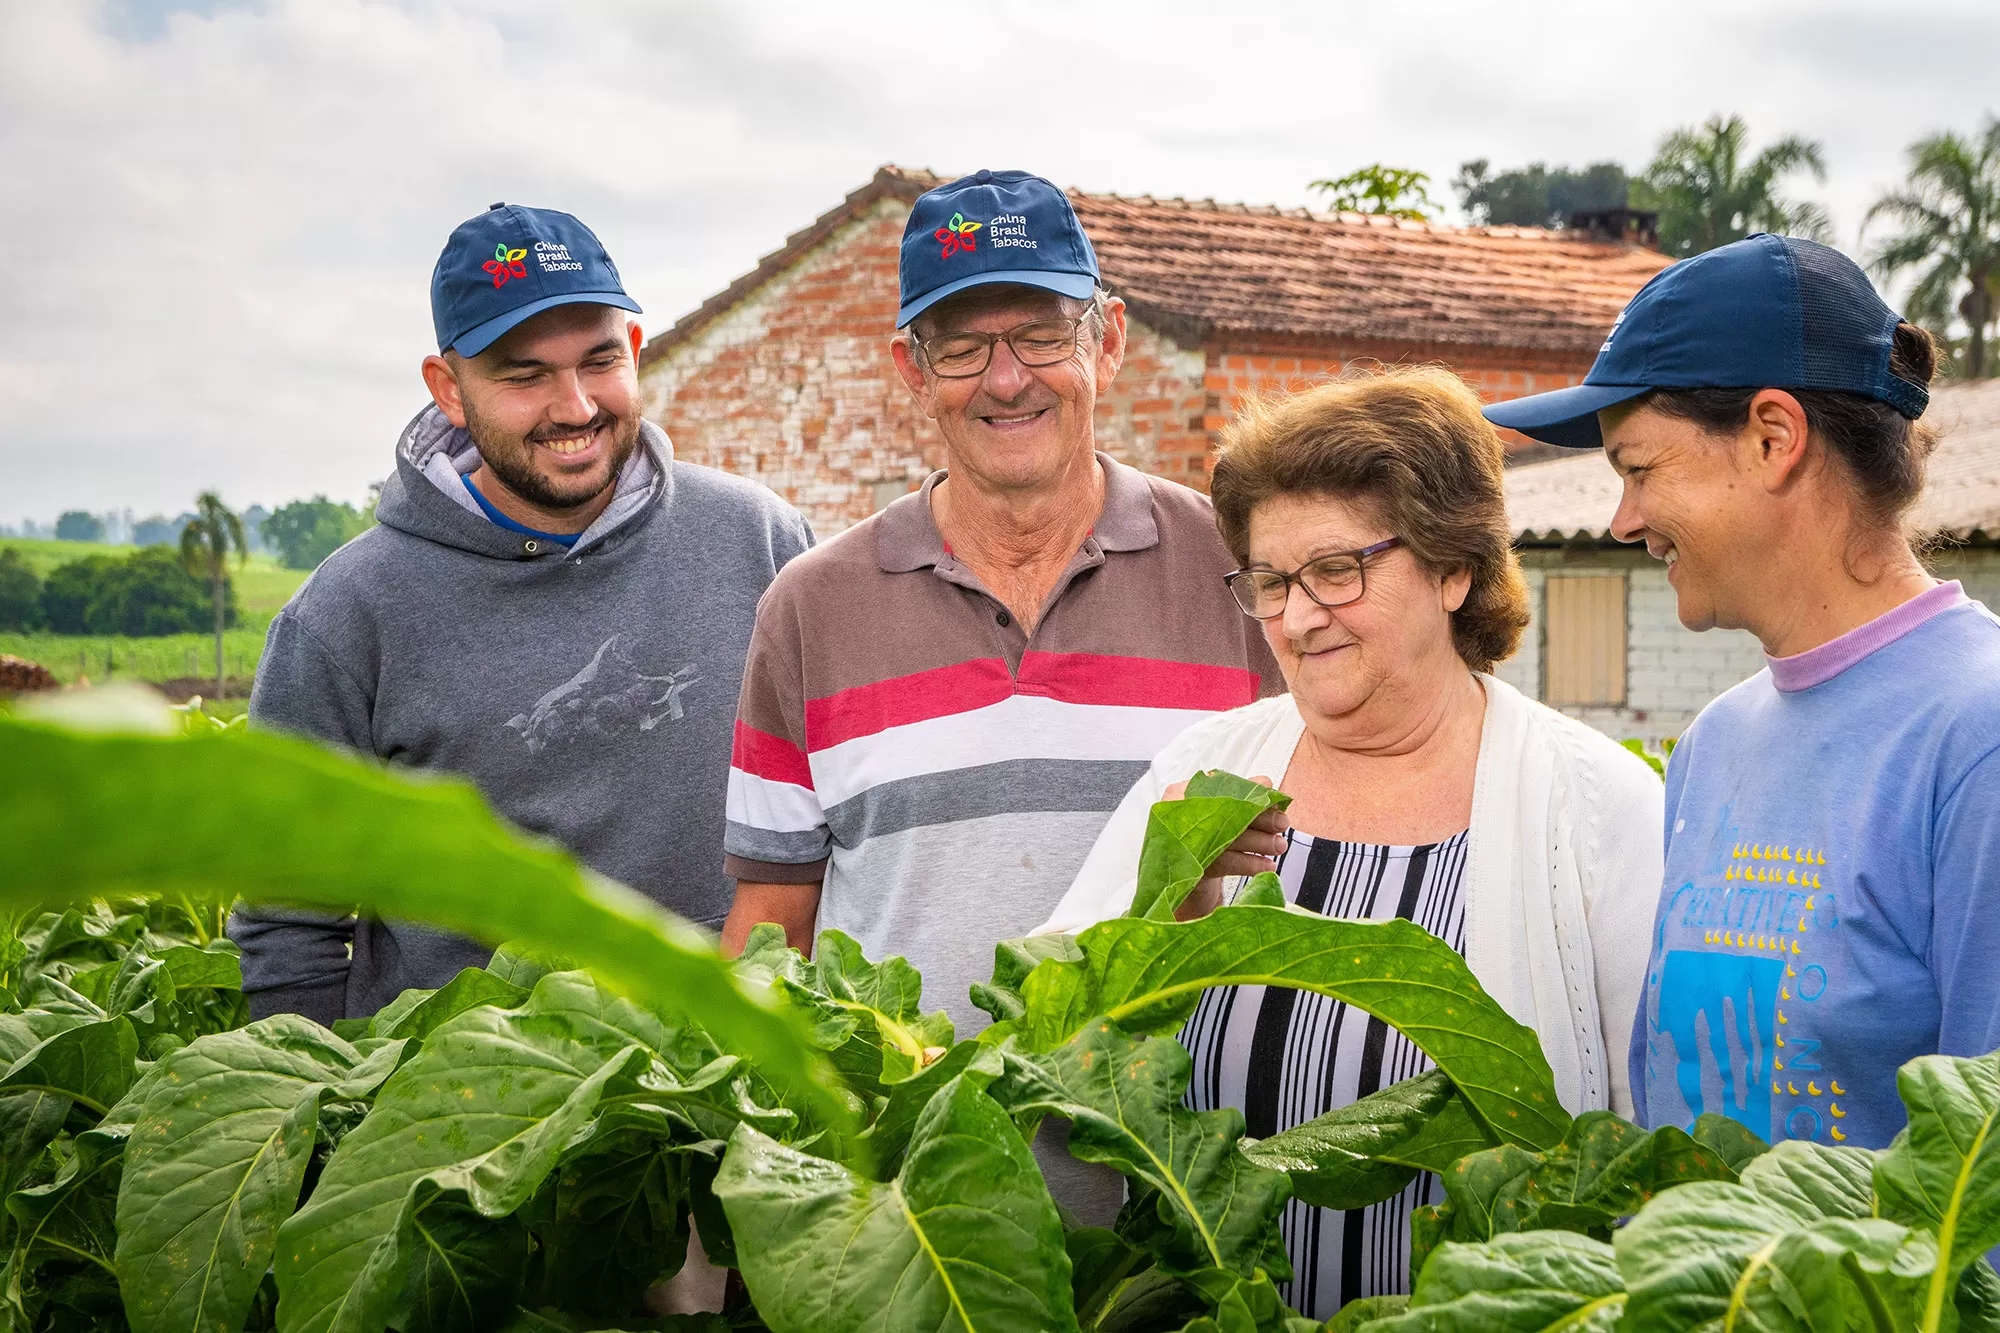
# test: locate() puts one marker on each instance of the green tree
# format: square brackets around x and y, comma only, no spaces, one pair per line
[20,593]
[79,526]
[1709,191]
[1394,192]
[306,532]
[206,545]
[145,593]
[1949,208]
[1537,195]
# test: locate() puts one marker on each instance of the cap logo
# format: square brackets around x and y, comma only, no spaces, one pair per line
[506,264]
[956,235]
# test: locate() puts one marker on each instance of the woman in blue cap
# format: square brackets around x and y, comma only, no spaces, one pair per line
[1831,906]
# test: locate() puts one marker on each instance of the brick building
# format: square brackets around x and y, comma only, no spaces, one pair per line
[785,375]
[1607,645]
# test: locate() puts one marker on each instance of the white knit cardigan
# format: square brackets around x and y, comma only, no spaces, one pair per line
[1562,872]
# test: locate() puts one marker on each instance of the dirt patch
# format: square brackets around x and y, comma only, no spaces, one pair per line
[20,676]
[182,688]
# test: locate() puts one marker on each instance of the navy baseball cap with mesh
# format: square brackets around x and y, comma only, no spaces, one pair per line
[1767,312]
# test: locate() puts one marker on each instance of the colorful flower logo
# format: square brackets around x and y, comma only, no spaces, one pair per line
[506,264]
[956,235]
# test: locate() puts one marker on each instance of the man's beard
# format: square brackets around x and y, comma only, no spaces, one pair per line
[512,459]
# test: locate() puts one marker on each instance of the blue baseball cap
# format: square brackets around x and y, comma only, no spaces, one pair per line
[993,226]
[511,262]
[1766,312]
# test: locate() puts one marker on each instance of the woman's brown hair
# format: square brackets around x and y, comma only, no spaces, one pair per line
[1411,443]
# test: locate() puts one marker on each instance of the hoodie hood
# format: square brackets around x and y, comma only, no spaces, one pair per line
[427,497]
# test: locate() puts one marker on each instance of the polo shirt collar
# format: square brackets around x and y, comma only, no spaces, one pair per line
[907,537]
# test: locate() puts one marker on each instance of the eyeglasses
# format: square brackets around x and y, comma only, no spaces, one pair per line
[1039,342]
[1332,580]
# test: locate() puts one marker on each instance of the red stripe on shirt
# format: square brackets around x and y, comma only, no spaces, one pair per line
[1076,678]
[1136,682]
[901,700]
[771,757]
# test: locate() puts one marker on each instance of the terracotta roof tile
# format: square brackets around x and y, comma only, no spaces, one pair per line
[1200,269]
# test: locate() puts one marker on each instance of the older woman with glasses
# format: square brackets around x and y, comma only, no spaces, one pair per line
[1368,519]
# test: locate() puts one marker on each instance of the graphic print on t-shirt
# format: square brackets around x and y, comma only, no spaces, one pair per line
[1737,1018]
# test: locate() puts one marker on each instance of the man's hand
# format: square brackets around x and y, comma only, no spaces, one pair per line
[1254,852]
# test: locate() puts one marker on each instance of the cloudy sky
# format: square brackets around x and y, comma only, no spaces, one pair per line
[221,217]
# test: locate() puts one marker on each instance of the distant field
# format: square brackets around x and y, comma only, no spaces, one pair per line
[104,657]
[262,587]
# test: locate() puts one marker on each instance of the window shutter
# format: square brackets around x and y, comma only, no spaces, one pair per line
[1584,639]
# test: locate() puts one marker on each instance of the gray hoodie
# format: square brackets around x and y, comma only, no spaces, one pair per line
[589,693]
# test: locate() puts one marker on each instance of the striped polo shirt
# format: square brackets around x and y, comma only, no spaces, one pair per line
[944,773]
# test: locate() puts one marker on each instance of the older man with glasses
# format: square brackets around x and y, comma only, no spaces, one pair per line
[943,704]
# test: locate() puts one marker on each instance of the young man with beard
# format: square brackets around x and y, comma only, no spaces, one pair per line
[551,605]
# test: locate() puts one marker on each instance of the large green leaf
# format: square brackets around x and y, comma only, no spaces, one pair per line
[268,817]
[484,1110]
[1943,1171]
[1184,837]
[1527,1282]
[1147,976]
[1370,1149]
[91,1064]
[1013,960]
[894,1037]
[881,1147]
[67,1225]
[1791,1247]
[1604,1169]
[465,1270]
[613,1218]
[965,1238]
[1727,1139]
[213,1165]
[470,988]
[1122,1095]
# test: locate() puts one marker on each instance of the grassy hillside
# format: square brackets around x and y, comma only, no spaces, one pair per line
[262,587]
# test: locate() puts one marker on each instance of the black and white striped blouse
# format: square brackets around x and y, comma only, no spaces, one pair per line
[1284,1057]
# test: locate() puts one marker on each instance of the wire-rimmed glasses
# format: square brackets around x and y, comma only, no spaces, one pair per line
[1335,579]
[1039,342]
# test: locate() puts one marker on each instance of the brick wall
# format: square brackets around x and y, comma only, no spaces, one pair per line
[1236,372]
[794,386]
[1671,673]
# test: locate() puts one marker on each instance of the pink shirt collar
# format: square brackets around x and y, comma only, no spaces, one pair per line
[1816,666]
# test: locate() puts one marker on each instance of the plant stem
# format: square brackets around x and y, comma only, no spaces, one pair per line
[1878,1313]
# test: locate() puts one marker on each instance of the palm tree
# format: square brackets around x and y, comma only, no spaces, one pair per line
[1708,195]
[1950,210]
[206,544]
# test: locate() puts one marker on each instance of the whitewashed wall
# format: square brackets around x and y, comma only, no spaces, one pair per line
[1671,673]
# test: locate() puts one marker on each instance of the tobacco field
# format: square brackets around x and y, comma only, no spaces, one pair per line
[526,1147]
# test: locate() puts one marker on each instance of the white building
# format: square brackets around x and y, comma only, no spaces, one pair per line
[1606,645]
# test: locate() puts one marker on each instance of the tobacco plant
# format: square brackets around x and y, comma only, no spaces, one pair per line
[527,1147]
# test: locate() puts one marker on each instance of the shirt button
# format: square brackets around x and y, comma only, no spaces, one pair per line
[1003,620]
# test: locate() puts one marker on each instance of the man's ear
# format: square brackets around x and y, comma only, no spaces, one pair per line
[441,378]
[1111,346]
[638,337]
[913,375]
[1775,437]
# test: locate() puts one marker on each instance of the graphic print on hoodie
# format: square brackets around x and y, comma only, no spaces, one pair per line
[590,693]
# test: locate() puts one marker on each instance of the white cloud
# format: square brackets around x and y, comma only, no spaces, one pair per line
[221,218]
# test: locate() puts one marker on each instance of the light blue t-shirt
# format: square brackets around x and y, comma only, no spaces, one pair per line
[1832,898]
